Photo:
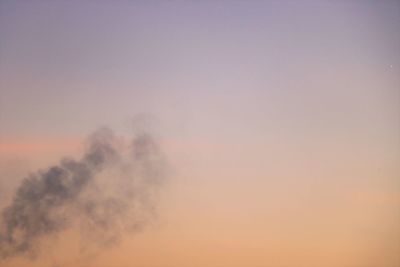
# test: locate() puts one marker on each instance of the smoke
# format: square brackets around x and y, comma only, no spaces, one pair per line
[111,189]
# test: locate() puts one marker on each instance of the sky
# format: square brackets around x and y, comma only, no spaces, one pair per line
[280,121]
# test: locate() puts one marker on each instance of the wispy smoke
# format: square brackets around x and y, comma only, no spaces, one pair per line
[110,190]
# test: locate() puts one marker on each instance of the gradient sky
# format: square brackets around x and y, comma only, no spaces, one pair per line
[281,120]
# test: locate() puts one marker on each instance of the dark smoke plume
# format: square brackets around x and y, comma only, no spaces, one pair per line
[111,189]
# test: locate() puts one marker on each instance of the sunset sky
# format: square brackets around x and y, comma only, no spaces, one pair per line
[280,121]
